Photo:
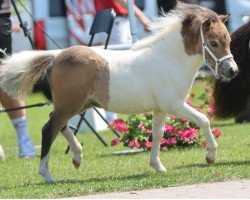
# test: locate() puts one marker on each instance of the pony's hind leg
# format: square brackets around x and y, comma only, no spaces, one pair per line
[203,122]
[74,144]
[157,131]
[49,134]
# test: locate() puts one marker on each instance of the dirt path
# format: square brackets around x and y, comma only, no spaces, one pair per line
[229,189]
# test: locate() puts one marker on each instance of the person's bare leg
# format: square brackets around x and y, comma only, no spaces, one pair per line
[19,121]
[7,102]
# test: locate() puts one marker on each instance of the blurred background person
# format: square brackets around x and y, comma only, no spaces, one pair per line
[18,118]
[121,28]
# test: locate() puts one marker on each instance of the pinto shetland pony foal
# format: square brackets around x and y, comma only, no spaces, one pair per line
[155,75]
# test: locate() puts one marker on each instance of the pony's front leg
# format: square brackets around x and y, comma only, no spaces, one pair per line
[203,122]
[157,131]
[74,144]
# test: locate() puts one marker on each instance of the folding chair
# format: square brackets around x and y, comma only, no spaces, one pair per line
[103,22]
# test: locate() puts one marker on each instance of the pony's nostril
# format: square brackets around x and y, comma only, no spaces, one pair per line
[233,72]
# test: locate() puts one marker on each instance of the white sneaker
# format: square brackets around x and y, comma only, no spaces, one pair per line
[2,156]
[26,149]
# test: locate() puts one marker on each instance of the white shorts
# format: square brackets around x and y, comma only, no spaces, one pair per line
[121,33]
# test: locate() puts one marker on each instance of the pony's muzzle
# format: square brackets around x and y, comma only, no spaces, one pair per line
[233,72]
[229,69]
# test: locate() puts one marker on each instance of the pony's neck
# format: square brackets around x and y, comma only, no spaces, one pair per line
[169,46]
[161,32]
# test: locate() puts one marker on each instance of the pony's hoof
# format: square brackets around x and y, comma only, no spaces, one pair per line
[47,177]
[50,180]
[76,164]
[211,154]
[209,160]
[162,170]
[158,167]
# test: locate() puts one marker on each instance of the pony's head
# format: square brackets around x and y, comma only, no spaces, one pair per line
[205,33]
[215,48]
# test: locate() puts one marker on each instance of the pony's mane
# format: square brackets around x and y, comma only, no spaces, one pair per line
[160,28]
[170,21]
[200,13]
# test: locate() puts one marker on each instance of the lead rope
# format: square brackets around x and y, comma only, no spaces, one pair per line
[43,30]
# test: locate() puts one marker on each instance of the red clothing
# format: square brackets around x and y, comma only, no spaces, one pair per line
[107,4]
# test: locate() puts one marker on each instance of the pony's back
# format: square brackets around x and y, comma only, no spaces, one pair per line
[231,98]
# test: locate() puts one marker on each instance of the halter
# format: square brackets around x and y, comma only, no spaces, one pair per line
[217,60]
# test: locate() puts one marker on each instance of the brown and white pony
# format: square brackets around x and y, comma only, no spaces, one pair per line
[155,75]
[232,99]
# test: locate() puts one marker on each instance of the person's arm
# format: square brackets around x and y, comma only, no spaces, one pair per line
[138,13]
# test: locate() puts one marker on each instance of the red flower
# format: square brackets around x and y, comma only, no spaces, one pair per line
[119,125]
[148,132]
[168,141]
[211,110]
[188,134]
[134,144]
[148,144]
[141,127]
[216,132]
[170,129]
[115,141]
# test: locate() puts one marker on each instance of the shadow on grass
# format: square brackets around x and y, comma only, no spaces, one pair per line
[123,153]
[100,179]
[90,180]
[204,165]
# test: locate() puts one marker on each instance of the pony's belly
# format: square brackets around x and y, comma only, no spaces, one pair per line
[130,105]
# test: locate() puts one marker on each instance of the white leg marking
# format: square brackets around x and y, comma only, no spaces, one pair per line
[75,146]
[203,122]
[158,130]
[44,169]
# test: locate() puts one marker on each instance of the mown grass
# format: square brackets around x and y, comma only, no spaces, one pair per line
[103,172]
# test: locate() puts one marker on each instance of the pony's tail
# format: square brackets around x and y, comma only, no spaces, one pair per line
[19,72]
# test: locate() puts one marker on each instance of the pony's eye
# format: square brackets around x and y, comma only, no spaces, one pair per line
[214,44]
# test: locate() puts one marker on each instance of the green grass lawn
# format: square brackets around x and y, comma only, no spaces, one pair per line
[103,172]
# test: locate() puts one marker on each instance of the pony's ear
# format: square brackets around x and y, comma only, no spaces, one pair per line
[223,18]
[207,23]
